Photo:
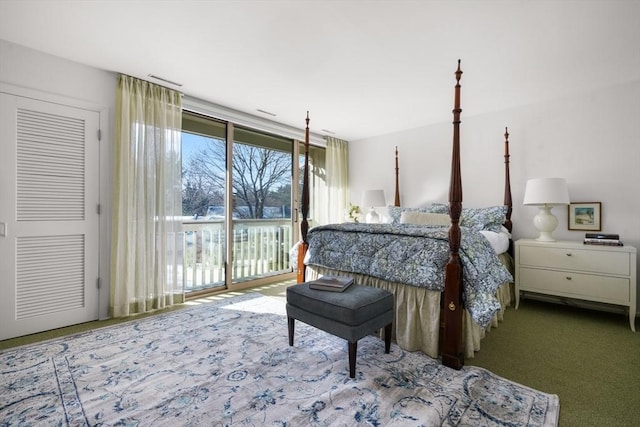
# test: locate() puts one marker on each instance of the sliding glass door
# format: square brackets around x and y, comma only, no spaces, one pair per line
[237,198]
[262,168]
[203,201]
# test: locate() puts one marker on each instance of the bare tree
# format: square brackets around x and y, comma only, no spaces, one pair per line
[201,188]
[257,172]
[259,175]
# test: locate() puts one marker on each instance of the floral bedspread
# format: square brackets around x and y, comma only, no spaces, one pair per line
[415,255]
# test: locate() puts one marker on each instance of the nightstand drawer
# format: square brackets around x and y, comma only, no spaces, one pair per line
[613,290]
[594,261]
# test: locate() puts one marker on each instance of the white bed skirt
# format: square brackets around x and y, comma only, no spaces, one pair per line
[416,323]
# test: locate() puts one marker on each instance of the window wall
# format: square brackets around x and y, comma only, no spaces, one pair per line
[237,203]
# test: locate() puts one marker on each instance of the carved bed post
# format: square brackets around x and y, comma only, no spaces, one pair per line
[304,225]
[452,354]
[397,199]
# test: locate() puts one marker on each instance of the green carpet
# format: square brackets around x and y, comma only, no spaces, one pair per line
[590,359]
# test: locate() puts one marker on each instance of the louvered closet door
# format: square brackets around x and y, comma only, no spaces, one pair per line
[49,229]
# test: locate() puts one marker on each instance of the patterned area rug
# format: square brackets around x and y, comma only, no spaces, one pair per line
[229,363]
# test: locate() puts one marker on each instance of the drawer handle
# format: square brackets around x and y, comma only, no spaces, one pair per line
[568,254]
[568,277]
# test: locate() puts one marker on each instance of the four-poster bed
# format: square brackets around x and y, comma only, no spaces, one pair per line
[392,257]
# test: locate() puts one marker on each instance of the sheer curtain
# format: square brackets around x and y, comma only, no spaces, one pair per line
[337,160]
[147,198]
[318,203]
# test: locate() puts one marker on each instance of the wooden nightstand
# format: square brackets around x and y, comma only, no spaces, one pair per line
[598,273]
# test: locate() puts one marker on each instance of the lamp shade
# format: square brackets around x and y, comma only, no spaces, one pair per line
[372,198]
[546,191]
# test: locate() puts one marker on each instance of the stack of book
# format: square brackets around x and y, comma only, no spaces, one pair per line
[331,283]
[602,239]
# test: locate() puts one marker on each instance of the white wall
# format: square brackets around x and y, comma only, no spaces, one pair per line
[31,73]
[591,139]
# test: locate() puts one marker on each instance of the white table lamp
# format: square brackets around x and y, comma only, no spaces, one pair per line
[546,193]
[371,199]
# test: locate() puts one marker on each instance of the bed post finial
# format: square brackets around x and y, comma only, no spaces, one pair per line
[304,224]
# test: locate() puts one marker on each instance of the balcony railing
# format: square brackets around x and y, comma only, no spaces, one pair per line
[260,248]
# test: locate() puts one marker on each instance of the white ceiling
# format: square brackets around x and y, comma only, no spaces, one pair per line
[361,68]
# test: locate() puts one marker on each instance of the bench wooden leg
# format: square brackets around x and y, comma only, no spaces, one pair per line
[387,338]
[290,321]
[353,349]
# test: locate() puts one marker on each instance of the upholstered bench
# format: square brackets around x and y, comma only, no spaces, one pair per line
[352,314]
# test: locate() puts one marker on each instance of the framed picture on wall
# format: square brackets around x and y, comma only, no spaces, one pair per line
[585,216]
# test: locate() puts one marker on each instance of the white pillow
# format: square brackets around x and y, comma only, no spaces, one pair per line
[499,241]
[505,231]
[425,218]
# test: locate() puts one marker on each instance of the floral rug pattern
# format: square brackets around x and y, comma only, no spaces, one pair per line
[229,363]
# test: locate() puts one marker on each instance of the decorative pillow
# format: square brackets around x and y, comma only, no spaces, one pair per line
[425,218]
[440,208]
[395,212]
[490,218]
